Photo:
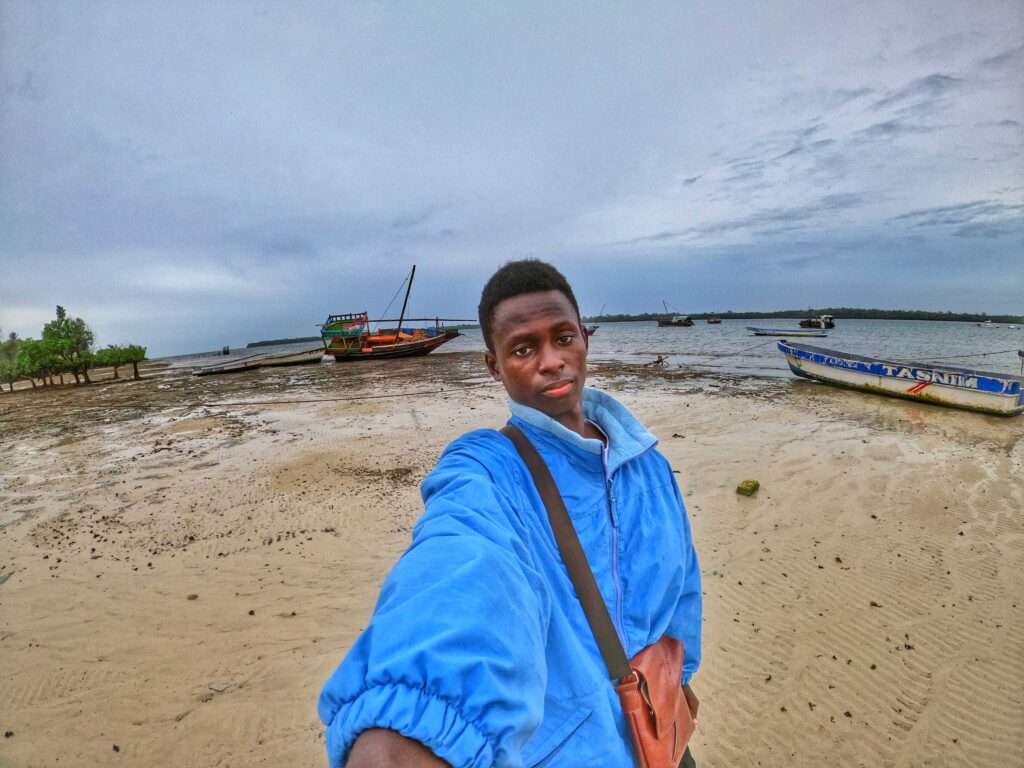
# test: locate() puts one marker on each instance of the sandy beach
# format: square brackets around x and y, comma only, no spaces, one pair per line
[184,561]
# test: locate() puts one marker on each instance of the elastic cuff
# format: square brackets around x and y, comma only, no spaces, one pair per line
[414,713]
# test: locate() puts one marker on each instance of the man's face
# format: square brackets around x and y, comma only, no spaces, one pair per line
[540,354]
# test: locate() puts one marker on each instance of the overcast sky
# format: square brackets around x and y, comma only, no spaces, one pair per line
[185,175]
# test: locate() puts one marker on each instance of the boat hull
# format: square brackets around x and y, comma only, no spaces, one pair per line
[296,358]
[414,348]
[250,363]
[992,393]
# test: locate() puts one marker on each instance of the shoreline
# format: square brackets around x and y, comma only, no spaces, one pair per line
[875,573]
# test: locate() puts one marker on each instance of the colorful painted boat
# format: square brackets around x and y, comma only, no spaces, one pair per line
[352,336]
[786,332]
[304,357]
[996,393]
[247,363]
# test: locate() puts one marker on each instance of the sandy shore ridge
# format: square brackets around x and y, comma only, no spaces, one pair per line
[183,561]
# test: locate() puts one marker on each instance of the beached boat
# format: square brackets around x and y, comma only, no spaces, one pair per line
[822,321]
[305,357]
[352,336]
[247,363]
[785,332]
[996,393]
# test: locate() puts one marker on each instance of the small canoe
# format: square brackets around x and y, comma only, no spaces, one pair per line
[787,332]
[295,358]
[248,363]
[995,393]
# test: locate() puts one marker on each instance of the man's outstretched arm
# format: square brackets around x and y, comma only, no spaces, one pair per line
[383,748]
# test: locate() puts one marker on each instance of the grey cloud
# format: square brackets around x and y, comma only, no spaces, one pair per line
[799,149]
[919,95]
[1003,60]
[978,218]
[771,221]
[890,129]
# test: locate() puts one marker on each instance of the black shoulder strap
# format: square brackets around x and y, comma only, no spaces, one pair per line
[573,556]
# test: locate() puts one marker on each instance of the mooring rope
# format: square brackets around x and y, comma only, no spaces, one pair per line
[733,354]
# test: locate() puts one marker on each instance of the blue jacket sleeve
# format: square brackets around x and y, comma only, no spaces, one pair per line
[454,653]
[686,621]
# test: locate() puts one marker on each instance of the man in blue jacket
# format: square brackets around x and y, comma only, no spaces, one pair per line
[478,653]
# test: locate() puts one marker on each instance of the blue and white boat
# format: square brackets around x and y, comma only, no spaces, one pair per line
[996,393]
[787,332]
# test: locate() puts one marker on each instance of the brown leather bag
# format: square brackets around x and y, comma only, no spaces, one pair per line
[655,706]
[650,684]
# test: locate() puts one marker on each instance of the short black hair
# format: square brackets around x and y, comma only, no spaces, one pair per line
[516,278]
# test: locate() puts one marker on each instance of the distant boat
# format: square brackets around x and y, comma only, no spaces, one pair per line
[677,320]
[674,320]
[295,358]
[714,320]
[592,329]
[996,393]
[987,324]
[351,336]
[822,321]
[786,332]
[247,363]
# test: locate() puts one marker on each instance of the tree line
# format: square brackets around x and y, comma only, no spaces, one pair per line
[65,347]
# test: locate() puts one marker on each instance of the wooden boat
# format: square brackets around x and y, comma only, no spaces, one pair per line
[247,363]
[304,357]
[822,321]
[996,393]
[351,336]
[674,321]
[714,320]
[786,332]
[591,329]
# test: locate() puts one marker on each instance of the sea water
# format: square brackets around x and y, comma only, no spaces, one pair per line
[730,348]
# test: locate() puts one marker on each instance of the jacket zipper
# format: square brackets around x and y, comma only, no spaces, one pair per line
[619,622]
[609,487]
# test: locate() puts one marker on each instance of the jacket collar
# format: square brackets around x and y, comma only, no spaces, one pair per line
[627,437]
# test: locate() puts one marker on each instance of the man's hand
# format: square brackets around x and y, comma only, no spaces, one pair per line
[383,748]
[691,701]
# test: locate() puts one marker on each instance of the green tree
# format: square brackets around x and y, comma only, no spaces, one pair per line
[30,362]
[112,356]
[134,354]
[72,339]
[8,356]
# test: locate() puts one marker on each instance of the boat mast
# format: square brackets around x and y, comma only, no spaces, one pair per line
[405,303]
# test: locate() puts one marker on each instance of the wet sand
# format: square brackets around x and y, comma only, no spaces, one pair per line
[183,561]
